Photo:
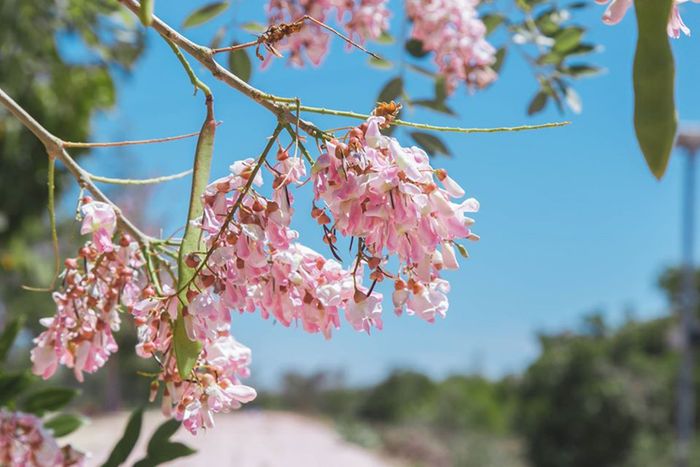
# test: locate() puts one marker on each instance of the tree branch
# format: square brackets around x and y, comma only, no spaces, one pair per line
[55,149]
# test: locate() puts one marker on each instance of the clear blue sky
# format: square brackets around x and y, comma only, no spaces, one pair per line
[571,219]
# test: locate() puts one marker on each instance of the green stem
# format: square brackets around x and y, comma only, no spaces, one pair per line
[151,270]
[295,136]
[187,351]
[52,225]
[423,126]
[138,181]
[52,218]
[196,82]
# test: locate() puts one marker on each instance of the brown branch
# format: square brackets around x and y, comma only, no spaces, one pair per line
[55,149]
[233,48]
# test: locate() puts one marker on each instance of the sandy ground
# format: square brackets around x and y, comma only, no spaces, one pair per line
[243,439]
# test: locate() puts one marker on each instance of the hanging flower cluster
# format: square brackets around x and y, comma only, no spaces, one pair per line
[108,275]
[215,384]
[361,19]
[387,196]
[453,30]
[103,276]
[257,262]
[618,8]
[25,442]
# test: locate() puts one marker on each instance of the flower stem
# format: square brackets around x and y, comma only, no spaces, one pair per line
[424,126]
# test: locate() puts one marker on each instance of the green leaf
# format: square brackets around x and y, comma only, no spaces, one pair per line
[391,91]
[462,251]
[166,453]
[380,63]
[64,424]
[215,42]
[239,63]
[548,21]
[567,39]
[578,71]
[492,21]
[581,49]
[415,48]
[537,103]
[500,58]
[253,27]
[550,58]
[430,143]
[125,445]
[160,449]
[162,434]
[655,119]
[440,107]
[48,399]
[8,336]
[13,385]
[204,14]
[578,5]
[440,89]
[385,39]
[146,12]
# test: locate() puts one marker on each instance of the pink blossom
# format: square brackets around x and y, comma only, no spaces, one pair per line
[361,19]
[100,220]
[386,195]
[365,312]
[453,30]
[79,336]
[618,8]
[25,442]
[257,263]
[217,387]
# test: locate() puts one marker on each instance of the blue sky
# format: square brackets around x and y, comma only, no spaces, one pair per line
[571,219]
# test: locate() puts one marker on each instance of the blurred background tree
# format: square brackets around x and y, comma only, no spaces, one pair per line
[598,395]
[64,94]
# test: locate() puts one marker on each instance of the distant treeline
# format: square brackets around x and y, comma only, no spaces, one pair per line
[595,397]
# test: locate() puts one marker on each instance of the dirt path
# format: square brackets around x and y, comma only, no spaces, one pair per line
[244,439]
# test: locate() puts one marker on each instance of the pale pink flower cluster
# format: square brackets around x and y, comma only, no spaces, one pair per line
[103,276]
[25,442]
[618,8]
[387,196]
[106,275]
[258,264]
[361,19]
[453,30]
[215,385]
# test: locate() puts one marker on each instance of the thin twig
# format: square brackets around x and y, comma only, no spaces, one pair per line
[424,126]
[295,136]
[52,225]
[54,148]
[138,181]
[233,48]
[196,82]
[342,36]
[115,144]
